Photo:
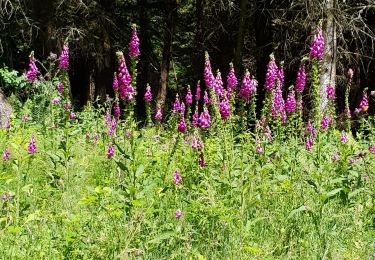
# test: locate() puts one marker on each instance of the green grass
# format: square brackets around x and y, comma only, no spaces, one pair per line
[71,202]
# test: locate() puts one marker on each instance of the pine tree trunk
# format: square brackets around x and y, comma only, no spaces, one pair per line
[167,52]
[241,34]
[328,74]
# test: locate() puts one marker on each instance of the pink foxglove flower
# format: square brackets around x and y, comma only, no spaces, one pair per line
[178,214]
[72,115]
[201,161]
[195,120]
[159,113]
[60,88]
[218,84]
[110,151]
[209,78]
[204,119]
[363,106]
[198,92]
[115,82]
[56,100]
[317,46]
[278,105]
[311,129]
[231,80]
[335,156]
[116,110]
[134,43]
[189,97]
[301,79]
[272,73]
[331,93]
[32,145]
[181,127]
[176,105]
[32,72]
[126,91]
[64,58]
[372,149]
[224,108]
[6,154]
[177,178]
[206,99]
[290,104]
[148,94]
[309,143]
[344,137]
[326,121]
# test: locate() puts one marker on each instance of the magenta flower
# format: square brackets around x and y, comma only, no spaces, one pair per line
[182,108]
[177,178]
[224,108]
[363,105]
[311,129]
[280,75]
[344,137]
[32,145]
[33,71]
[259,149]
[60,88]
[64,58]
[197,144]
[148,94]
[195,120]
[107,120]
[126,91]
[72,115]
[134,43]
[110,151]
[209,78]
[278,105]
[372,149]
[116,110]
[6,154]
[198,92]
[178,214]
[247,87]
[88,136]
[335,156]
[113,127]
[317,46]
[326,121]
[206,99]
[56,100]
[159,113]
[301,79]
[115,82]
[218,84]
[272,74]
[331,93]
[309,143]
[181,127]
[268,134]
[201,161]
[176,105]
[204,119]
[231,80]
[290,104]
[67,106]
[189,97]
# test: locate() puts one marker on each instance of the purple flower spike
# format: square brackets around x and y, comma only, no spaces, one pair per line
[331,93]
[181,127]
[290,104]
[195,120]
[115,82]
[116,110]
[309,143]
[218,84]
[6,154]
[205,119]
[134,43]
[32,145]
[177,178]
[224,108]
[198,92]
[301,79]
[206,99]
[231,80]
[272,74]
[126,91]
[209,78]
[64,58]
[159,113]
[148,94]
[317,46]
[189,97]
[110,151]
[32,72]
[344,137]
[363,106]
[176,105]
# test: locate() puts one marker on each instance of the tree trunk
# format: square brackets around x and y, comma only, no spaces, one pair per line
[241,34]
[328,74]
[167,51]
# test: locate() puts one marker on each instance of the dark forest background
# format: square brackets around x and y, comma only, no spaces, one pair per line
[174,35]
